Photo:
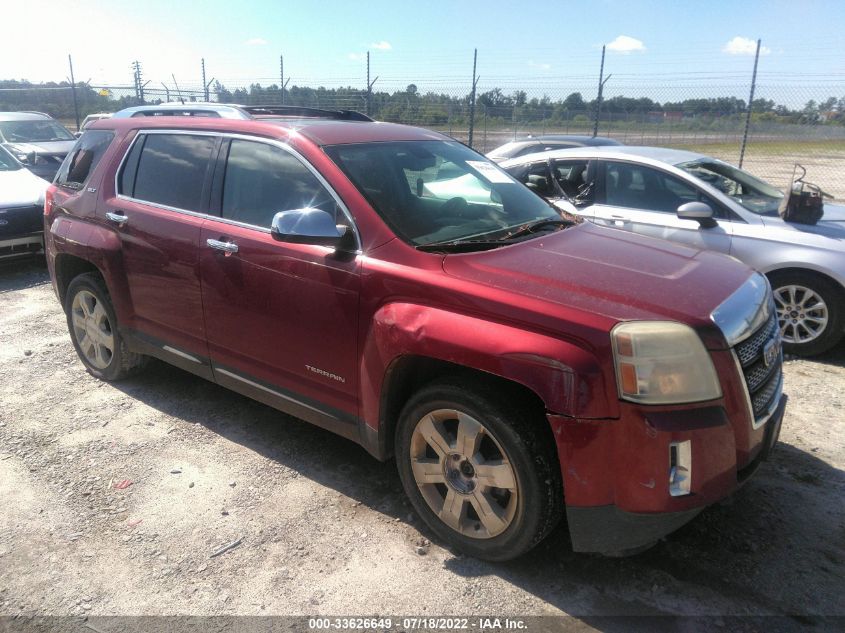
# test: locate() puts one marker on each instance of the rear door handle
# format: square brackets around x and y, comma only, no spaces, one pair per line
[226,247]
[117,218]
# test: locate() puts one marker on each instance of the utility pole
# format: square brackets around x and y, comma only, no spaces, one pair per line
[472,96]
[602,81]
[750,102]
[73,90]
[204,83]
[369,86]
[139,83]
[282,82]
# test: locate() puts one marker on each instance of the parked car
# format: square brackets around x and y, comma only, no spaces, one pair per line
[707,203]
[88,120]
[21,208]
[502,355]
[545,143]
[36,140]
[235,111]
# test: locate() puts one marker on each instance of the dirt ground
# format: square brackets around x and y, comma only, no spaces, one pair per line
[115,496]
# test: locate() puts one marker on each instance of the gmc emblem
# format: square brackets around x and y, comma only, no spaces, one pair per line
[771,351]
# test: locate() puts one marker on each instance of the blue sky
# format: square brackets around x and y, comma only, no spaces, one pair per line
[553,46]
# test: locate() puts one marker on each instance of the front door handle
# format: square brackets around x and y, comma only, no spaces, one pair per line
[117,218]
[226,247]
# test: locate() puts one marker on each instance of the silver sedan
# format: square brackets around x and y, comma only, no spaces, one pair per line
[707,203]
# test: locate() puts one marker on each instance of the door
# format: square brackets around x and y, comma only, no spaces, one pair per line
[281,318]
[645,200]
[162,192]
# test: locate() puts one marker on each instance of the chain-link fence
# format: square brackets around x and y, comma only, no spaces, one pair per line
[790,121]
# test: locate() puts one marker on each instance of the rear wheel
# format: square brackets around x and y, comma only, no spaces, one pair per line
[478,469]
[93,330]
[810,312]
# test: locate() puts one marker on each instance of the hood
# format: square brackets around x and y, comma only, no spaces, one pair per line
[587,272]
[21,188]
[831,226]
[59,148]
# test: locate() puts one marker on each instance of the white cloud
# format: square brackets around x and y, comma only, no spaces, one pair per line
[381,46]
[256,41]
[356,57]
[540,66]
[625,44]
[744,46]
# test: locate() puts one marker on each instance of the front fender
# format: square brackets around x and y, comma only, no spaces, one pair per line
[568,379]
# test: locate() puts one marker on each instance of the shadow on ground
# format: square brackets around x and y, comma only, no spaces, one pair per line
[26,272]
[735,557]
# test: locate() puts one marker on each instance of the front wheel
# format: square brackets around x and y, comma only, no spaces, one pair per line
[478,469]
[93,330]
[810,312]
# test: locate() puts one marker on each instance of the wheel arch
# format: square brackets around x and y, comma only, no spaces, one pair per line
[67,267]
[409,373]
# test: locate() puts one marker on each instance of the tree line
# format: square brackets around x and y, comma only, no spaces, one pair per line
[429,108]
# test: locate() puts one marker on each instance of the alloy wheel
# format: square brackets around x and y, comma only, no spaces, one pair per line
[802,313]
[463,473]
[92,329]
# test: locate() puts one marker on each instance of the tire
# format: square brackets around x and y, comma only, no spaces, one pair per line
[451,482]
[810,312]
[94,332]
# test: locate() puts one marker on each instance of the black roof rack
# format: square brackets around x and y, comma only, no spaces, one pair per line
[304,112]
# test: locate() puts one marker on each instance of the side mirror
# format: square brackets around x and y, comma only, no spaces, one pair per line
[30,159]
[78,134]
[700,211]
[308,226]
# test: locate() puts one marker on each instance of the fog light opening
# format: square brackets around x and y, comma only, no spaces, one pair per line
[680,468]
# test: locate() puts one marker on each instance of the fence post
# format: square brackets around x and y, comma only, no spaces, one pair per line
[598,98]
[73,90]
[750,102]
[472,97]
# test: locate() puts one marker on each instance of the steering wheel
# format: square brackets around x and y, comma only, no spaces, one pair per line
[454,207]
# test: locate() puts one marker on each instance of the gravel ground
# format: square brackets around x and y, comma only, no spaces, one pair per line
[116,496]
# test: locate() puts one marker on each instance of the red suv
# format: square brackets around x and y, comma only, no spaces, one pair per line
[393,286]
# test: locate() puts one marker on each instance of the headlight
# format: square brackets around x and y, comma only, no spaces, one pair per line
[662,362]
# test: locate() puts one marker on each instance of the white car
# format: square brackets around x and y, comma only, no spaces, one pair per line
[707,203]
[21,208]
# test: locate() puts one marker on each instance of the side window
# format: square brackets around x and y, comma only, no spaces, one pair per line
[571,175]
[262,180]
[79,164]
[640,187]
[171,169]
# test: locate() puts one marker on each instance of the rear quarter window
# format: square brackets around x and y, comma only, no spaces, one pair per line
[80,163]
[168,169]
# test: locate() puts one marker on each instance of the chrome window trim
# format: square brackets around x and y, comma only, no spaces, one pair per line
[245,137]
[732,316]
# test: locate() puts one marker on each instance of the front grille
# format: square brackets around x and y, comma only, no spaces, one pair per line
[761,380]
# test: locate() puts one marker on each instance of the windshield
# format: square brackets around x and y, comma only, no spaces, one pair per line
[752,193]
[7,162]
[439,191]
[37,131]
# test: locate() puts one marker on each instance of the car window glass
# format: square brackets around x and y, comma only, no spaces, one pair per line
[571,175]
[79,164]
[34,131]
[436,191]
[752,193]
[640,187]
[7,162]
[262,180]
[172,169]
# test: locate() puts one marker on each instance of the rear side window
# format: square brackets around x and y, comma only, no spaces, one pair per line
[79,164]
[171,169]
[262,180]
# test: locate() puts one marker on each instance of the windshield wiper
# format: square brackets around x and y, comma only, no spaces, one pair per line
[532,227]
[462,246]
